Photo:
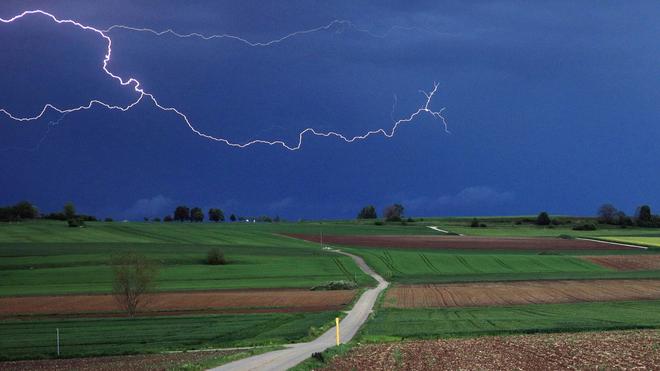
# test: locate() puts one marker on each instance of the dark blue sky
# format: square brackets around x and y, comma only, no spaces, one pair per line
[551,105]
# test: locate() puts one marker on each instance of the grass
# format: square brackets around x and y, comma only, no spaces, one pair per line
[36,269]
[648,241]
[427,266]
[398,324]
[113,336]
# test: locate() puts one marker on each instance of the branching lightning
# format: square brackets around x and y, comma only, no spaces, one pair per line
[142,94]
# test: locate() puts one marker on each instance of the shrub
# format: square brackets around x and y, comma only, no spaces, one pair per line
[474,223]
[566,237]
[75,223]
[336,285]
[482,225]
[108,220]
[378,222]
[585,227]
[216,257]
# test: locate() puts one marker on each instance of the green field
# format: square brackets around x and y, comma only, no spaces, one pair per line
[46,258]
[49,258]
[395,324]
[107,336]
[427,266]
[648,241]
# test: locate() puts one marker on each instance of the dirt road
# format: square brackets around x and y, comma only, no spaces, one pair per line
[296,353]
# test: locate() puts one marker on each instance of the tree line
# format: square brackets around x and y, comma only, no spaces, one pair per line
[391,213]
[184,213]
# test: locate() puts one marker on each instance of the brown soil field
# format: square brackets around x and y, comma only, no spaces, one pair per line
[525,292]
[626,262]
[582,351]
[464,242]
[137,362]
[177,302]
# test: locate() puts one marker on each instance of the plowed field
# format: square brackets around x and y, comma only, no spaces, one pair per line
[217,301]
[526,292]
[626,262]
[581,351]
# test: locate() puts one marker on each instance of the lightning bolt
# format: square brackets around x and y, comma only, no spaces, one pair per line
[142,94]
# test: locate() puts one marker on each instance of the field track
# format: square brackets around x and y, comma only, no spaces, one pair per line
[582,351]
[285,300]
[464,242]
[514,293]
[626,262]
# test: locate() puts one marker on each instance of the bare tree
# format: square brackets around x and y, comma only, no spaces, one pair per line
[134,277]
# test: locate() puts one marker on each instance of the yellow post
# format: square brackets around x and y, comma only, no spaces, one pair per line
[337,327]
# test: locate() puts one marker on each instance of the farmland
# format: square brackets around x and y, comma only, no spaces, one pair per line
[58,277]
[520,292]
[424,323]
[583,351]
[24,339]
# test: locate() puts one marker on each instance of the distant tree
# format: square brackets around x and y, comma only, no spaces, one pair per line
[168,218]
[182,213]
[25,210]
[393,213]
[196,214]
[474,223]
[367,212]
[232,217]
[156,220]
[109,220]
[622,219]
[69,211]
[133,278]
[216,215]
[607,214]
[145,219]
[543,219]
[277,219]
[644,216]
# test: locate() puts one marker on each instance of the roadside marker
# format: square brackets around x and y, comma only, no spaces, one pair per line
[58,342]
[337,327]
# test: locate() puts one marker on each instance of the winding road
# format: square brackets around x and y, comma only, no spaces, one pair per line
[296,353]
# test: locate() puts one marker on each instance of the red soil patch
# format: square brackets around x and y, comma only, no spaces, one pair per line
[188,302]
[137,362]
[626,262]
[464,242]
[514,293]
[582,351]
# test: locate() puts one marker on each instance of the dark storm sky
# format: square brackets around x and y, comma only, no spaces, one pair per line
[551,105]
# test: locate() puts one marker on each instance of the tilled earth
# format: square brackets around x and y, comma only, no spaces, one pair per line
[137,362]
[244,301]
[626,262]
[639,350]
[522,292]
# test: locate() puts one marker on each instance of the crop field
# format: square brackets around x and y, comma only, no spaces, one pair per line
[52,276]
[429,266]
[582,351]
[77,268]
[466,243]
[25,339]
[393,323]
[170,303]
[524,292]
